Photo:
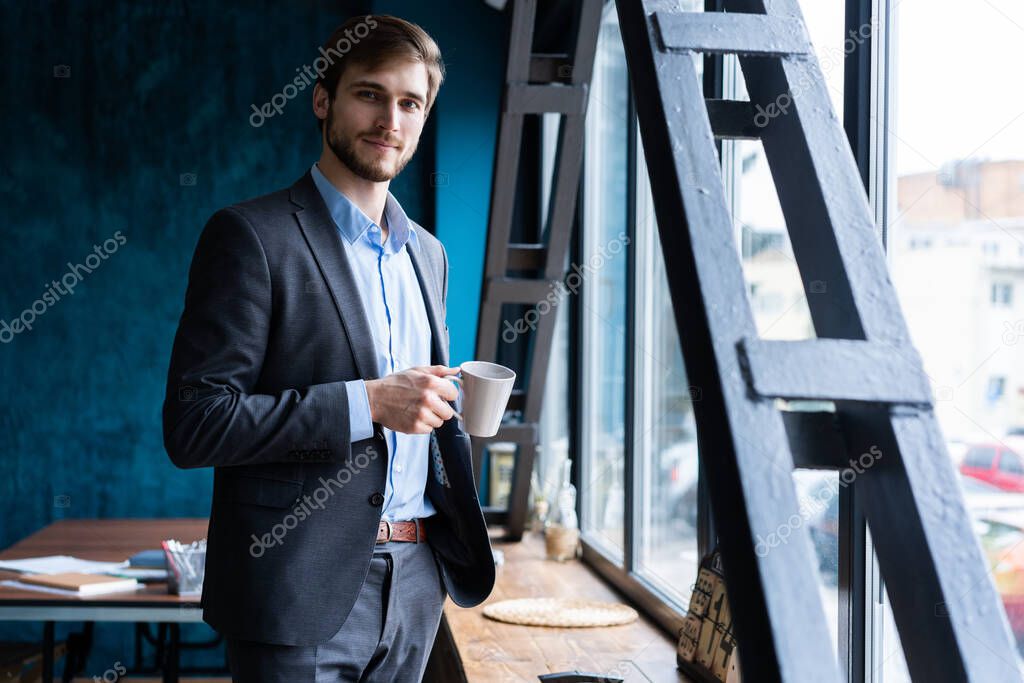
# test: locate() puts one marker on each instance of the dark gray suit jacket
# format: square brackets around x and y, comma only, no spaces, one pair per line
[272,328]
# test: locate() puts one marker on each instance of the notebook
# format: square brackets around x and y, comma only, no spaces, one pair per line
[83,584]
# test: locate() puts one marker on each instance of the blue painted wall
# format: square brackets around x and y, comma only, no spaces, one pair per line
[129,121]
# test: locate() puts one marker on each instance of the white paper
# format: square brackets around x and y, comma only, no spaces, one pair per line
[58,564]
[60,591]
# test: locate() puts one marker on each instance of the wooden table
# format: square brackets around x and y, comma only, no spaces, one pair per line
[491,651]
[107,540]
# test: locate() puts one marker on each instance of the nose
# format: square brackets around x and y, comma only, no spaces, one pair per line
[388,119]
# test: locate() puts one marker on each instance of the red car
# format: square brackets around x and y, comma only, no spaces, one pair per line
[996,464]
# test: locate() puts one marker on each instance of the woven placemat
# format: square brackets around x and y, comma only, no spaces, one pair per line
[564,612]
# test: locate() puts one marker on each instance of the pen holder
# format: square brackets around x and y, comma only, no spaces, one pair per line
[186,567]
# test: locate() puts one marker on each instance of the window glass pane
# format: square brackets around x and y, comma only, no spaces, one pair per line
[956,252]
[777,295]
[604,294]
[553,449]
[666,433]
[818,500]
[553,446]
[778,299]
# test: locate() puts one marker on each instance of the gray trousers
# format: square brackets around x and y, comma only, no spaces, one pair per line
[386,638]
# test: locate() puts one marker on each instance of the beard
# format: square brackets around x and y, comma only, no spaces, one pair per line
[346,147]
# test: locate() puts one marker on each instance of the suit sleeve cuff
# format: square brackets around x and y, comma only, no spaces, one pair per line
[360,425]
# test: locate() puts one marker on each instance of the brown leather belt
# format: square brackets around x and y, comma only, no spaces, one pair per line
[412,532]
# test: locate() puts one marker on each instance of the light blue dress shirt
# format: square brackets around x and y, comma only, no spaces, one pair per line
[391,296]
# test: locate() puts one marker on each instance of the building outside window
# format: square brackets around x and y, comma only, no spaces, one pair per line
[972,352]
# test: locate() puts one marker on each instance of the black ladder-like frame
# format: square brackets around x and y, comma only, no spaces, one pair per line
[950,620]
[534,84]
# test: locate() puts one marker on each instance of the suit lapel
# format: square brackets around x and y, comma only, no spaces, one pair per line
[328,248]
[429,287]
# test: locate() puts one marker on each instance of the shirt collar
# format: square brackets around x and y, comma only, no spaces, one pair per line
[353,223]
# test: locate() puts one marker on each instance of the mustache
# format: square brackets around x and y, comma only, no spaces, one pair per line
[386,141]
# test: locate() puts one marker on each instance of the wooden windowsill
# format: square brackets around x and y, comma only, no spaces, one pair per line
[489,650]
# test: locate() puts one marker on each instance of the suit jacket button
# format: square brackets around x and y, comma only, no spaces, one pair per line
[377,499]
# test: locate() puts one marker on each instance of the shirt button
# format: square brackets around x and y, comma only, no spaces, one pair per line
[398,468]
[377,499]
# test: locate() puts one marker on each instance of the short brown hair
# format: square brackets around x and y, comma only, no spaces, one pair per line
[376,39]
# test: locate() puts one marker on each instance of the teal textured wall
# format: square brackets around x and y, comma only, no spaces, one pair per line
[127,125]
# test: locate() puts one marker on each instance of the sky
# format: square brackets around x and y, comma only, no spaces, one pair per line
[957,91]
[958,81]
[957,70]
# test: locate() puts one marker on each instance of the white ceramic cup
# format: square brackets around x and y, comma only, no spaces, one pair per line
[486,388]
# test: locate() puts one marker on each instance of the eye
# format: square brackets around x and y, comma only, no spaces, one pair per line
[367,93]
[412,104]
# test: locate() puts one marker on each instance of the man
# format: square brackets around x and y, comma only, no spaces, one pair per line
[310,371]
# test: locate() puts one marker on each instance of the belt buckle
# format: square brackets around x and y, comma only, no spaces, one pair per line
[390,531]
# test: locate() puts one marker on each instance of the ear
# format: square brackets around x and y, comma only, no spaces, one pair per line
[321,101]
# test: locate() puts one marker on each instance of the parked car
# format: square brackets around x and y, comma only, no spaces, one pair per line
[1002,539]
[983,498]
[676,507]
[998,518]
[995,463]
[823,522]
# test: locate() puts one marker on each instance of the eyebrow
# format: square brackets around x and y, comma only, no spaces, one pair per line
[377,86]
